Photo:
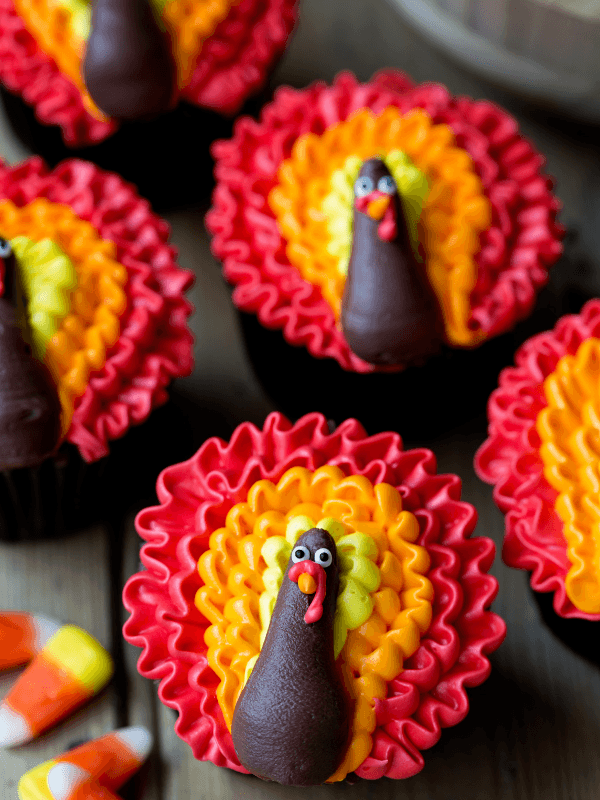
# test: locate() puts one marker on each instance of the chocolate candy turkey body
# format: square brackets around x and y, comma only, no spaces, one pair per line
[291,723]
[29,405]
[128,67]
[389,312]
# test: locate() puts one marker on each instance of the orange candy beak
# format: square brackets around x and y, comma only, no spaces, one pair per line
[307,584]
[377,208]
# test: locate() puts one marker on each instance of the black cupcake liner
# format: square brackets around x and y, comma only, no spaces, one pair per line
[167,158]
[421,403]
[41,502]
[65,494]
[582,636]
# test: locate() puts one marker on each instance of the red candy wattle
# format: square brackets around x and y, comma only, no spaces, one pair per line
[510,459]
[516,251]
[234,64]
[195,497]
[155,344]
[387,229]
[316,571]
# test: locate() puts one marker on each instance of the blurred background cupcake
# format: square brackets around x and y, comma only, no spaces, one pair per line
[137,87]
[542,458]
[94,329]
[375,224]
[425,629]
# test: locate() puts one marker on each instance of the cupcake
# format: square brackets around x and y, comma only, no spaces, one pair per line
[92,69]
[376,224]
[324,572]
[93,328]
[541,457]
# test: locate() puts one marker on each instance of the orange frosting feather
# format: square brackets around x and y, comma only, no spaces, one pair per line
[569,428]
[190,24]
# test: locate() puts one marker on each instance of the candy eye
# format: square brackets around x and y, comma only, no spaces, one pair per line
[300,553]
[323,557]
[387,185]
[363,186]
[5,248]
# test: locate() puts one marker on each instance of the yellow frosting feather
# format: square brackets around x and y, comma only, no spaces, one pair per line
[80,16]
[48,277]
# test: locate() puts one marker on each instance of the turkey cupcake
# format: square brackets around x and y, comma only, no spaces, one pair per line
[90,69]
[377,225]
[93,328]
[312,603]
[542,458]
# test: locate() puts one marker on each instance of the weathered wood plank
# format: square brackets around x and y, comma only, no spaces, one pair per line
[141,695]
[534,720]
[68,580]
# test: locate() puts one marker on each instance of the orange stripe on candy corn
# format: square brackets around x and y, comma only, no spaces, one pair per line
[69,670]
[23,635]
[45,694]
[17,639]
[90,791]
[113,758]
[93,770]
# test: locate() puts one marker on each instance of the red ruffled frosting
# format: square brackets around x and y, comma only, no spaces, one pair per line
[510,459]
[516,251]
[233,65]
[195,497]
[236,60]
[155,343]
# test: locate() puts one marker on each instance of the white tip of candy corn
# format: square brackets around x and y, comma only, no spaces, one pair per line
[138,739]
[64,778]
[45,628]
[14,729]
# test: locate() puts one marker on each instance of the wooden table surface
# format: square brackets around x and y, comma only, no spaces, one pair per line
[534,728]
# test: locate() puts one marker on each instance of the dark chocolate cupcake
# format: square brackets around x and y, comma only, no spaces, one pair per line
[138,86]
[93,328]
[542,458]
[378,225]
[297,592]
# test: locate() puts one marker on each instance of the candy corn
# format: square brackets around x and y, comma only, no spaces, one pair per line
[93,771]
[70,668]
[22,636]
